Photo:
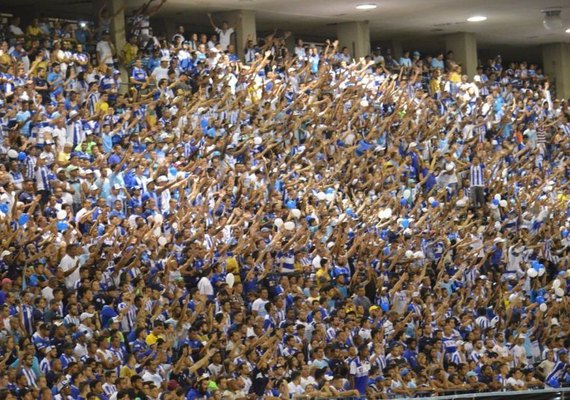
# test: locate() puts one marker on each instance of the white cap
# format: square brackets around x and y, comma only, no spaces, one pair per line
[85,315]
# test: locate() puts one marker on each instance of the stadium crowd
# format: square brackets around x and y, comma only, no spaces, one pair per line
[298,225]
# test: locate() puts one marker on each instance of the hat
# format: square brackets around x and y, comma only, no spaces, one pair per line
[471,374]
[162,179]
[6,280]
[164,59]
[73,114]
[172,385]
[373,308]
[78,334]
[2,255]
[459,343]
[85,315]
[404,372]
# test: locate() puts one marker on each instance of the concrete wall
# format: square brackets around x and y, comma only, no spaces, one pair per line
[556,59]
[355,36]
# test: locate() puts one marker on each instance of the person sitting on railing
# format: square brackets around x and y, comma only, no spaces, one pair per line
[516,380]
[531,381]
[489,378]
[559,371]
[472,380]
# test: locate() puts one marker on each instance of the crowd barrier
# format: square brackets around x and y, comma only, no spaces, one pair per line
[534,394]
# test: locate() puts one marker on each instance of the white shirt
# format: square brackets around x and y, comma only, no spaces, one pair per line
[259,306]
[301,53]
[225,37]
[155,378]
[47,293]
[205,287]
[159,73]
[295,389]
[104,51]
[512,381]
[68,263]
[15,30]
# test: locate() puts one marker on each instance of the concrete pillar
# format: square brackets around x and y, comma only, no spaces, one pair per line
[464,47]
[118,33]
[119,36]
[243,22]
[355,36]
[556,62]
[397,50]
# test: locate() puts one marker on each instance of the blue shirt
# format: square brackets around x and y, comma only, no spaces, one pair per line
[359,370]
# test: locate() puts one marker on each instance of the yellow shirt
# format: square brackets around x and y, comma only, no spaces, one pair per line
[33,31]
[455,77]
[101,106]
[5,59]
[322,277]
[127,372]
[435,85]
[130,53]
[63,158]
[152,339]
[233,267]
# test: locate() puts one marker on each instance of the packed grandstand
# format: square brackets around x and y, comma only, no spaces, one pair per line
[283,223]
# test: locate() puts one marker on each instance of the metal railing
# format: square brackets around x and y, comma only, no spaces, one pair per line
[533,394]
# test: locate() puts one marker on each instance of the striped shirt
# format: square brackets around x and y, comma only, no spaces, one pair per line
[557,372]
[31,377]
[30,169]
[476,175]
[45,366]
[42,179]
[480,131]
[483,322]
[27,316]
[109,389]
[128,322]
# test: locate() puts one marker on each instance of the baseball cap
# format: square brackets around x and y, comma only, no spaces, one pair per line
[85,315]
